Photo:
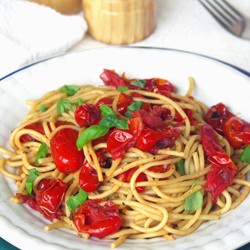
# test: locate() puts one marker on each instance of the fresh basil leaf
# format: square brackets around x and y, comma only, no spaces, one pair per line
[42,152]
[64,105]
[91,133]
[121,124]
[76,200]
[181,167]
[108,121]
[245,156]
[79,101]
[139,83]
[122,88]
[106,110]
[33,174]
[134,106]
[194,201]
[69,90]
[42,108]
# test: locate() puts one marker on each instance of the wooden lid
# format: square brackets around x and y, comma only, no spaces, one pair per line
[63,6]
[120,21]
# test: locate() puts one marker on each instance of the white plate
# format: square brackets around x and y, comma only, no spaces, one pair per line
[215,82]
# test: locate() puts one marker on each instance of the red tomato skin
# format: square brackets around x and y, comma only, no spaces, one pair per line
[219,179]
[209,140]
[50,196]
[123,102]
[34,126]
[217,115]
[87,115]
[65,154]
[105,101]
[149,139]
[118,142]
[37,126]
[88,179]
[222,169]
[126,177]
[162,86]
[98,218]
[237,132]
[159,168]
[110,78]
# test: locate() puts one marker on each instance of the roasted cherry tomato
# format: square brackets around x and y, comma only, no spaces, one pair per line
[65,154]
[237,132]
[110,78]
[149,118]
[162,86]
[126,177]
[105,101]
[49,195]
[48,199]
[87,115]
[221,174]
[159,168]
[123,102]
[119,141]
[217,115]
[209,140]
[37,126]
[88,179]
[222,169]
[98,218]
[152,140]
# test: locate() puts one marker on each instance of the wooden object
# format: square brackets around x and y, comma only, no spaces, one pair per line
[62,6]
[120,21]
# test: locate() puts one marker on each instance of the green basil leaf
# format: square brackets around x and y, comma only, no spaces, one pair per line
[106,110]
[122,88]
[79,101]
[108,121]
[181,167]
[42,108]
[64,105]
[91,133]
[33,174]
[76,200]
[134,106]
[193,201]
[69,90]
[121,124]
[42,152]
[245,156]
[139,83]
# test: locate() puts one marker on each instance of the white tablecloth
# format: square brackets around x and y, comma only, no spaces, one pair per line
[186,25]
[181,24]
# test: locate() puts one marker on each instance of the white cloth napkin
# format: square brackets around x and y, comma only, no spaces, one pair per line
[30,32]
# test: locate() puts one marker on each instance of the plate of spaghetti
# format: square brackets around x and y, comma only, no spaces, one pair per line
[128,148]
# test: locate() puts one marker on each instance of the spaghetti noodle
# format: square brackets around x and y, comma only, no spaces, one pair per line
[156,172]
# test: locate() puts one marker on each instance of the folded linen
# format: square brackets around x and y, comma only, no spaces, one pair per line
[30,32]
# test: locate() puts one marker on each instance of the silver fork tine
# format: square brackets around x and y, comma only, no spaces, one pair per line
[226,15]
[231,10]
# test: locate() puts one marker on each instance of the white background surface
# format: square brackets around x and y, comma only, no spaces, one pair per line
[181,24]
[186,25]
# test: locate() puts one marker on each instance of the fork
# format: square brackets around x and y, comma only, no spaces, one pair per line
[230,18]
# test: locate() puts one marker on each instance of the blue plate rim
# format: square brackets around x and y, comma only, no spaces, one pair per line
[241,70]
